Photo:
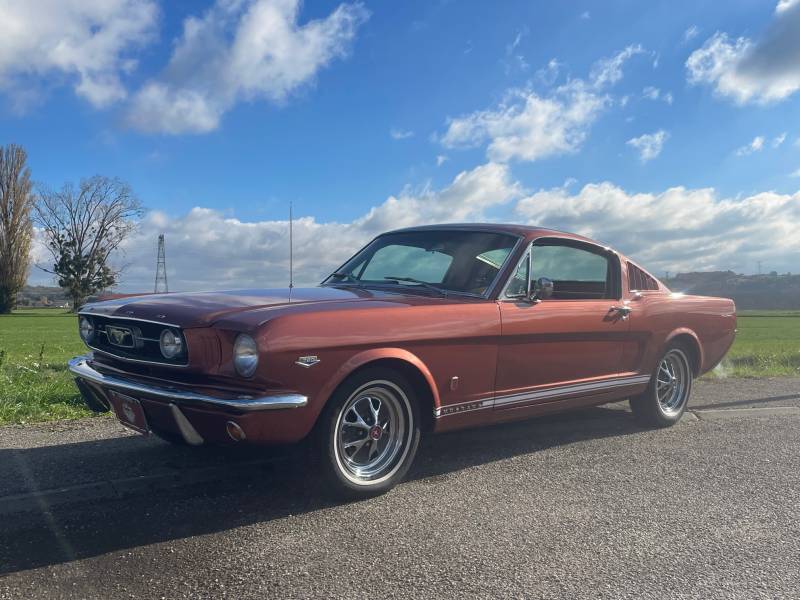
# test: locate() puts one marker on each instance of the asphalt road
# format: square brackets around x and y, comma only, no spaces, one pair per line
[584,505]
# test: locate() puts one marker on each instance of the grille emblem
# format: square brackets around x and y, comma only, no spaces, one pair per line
[120,336]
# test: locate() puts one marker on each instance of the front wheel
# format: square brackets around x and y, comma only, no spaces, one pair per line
[369,433]
[664,401]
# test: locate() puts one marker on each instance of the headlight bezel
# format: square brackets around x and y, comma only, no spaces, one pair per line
[245,355]
[88,337]
[177,347]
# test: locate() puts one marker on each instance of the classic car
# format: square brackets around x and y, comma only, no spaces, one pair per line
[425,329]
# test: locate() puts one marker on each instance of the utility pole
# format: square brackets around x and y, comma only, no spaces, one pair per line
[161,268]
[759,267]
[291,250]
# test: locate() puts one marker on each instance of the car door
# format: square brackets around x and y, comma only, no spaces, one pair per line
[569,344]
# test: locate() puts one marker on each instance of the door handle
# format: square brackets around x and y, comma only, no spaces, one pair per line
[623,311]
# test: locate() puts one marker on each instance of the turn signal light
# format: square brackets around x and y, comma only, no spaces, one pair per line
[235,432]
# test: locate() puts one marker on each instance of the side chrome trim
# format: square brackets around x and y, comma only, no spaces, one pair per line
[572,389]
[552,392]
[462,407]
[80,367]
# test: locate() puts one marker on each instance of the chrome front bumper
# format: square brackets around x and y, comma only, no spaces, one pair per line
[80,367]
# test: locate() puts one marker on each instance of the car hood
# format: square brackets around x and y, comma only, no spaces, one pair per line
[199,309]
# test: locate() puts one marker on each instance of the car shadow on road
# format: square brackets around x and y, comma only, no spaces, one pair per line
[272,489]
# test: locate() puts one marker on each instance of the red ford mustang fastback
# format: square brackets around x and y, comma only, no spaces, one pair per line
[425,329]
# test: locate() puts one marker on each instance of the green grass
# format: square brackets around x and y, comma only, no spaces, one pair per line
[35,385]
[36,344]
[767,344]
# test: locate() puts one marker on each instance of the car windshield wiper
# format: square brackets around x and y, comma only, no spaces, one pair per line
[348,277]
[430,286]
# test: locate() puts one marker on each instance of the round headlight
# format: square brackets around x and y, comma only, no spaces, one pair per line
[171,344]
[245,355]
[86,329]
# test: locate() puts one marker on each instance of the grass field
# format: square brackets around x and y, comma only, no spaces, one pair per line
[36,344]
[35,385]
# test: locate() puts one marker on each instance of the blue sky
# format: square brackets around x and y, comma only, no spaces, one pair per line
[376,114]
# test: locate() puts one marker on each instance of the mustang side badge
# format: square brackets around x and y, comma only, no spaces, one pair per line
[307,361]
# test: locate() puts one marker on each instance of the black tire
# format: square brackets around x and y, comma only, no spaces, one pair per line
[367,456]
[664,401]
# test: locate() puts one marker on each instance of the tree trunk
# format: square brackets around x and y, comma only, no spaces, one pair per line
[7,299]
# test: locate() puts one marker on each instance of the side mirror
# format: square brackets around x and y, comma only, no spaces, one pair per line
[542,289]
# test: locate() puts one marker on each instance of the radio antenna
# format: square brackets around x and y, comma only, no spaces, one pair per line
[291,250]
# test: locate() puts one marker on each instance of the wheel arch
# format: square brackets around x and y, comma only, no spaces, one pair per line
[689,340]
[410,366]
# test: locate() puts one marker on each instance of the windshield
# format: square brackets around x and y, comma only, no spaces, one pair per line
[447,260]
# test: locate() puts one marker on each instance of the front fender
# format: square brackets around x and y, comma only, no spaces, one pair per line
[376,354]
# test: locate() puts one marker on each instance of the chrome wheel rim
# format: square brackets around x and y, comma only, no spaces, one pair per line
[372,432]
[672,382]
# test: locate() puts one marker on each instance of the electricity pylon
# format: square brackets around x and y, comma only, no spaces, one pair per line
[161,268]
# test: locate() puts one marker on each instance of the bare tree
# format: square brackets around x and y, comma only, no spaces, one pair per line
[83,226]
[16,204]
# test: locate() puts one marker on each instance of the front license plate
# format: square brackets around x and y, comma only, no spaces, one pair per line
[129,411]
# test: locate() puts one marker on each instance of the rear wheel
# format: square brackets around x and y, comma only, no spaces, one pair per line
[369,433]
[664,401]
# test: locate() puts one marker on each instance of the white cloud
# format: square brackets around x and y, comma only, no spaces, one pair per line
[400,134]
[778,140]
[679,229]
[440,160]
[795,173]
[514,60]
[765,70]
[547,75]
[206,249]
[89,43]
[690,33]
[649,145]
[653,93]
[757,145]
[608,71]
[237,51]
[530,126]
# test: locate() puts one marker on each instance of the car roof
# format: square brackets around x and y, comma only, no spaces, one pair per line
[525,231]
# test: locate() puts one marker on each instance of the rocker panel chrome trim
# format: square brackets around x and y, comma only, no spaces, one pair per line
[552,392]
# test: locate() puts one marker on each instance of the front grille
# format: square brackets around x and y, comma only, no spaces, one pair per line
[132,339]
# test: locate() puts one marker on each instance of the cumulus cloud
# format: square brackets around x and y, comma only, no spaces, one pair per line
[88,43]
[778,140]
[206,249]
[530,126]
[238,51]
[757,145]
[762,71]
[649,145]
[690,33]
[679,229]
